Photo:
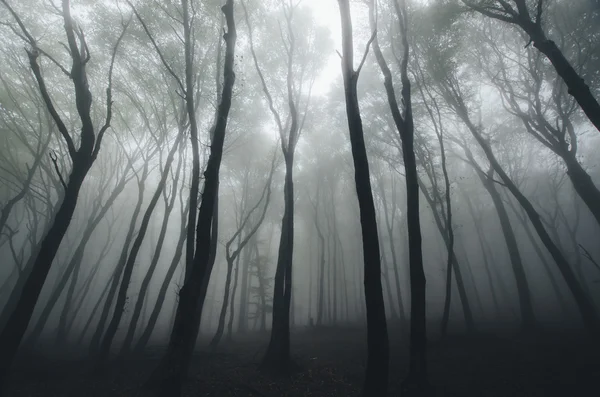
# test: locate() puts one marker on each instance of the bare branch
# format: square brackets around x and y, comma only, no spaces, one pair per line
[364,58]
[54,159]
[158,51]
[109,101]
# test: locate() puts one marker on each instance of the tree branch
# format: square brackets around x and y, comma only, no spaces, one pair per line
[109,101]
[158,51]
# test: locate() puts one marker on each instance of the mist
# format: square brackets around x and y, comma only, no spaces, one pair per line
[299,198]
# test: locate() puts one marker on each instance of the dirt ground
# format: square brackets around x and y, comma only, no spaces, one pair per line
[331,363]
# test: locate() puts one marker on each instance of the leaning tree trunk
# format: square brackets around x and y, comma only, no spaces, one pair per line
[137,310]
[111,331]
[585,305]
[82,160]
[162,293]
[527,315]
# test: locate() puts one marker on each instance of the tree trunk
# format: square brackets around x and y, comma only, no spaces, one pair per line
[484,254]
[584,303]
[456,267]
[584,186]
[96,306]
[575,83]
[376,377]
[221,325]
[12,334]
[277,356]
[137,310]
[528,321]
[162,293]
[97,337]
[167,379]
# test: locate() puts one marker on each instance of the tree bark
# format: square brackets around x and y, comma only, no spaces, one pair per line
[376,377]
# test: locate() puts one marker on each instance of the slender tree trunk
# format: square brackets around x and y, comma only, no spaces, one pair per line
[97,337]
[162,293]
[480,234]
[115,274]
[456,267]
[527,315]
[584,303]
[167,379]
[244,292]
[232,303]
[12,333]
[221,325]
[376,377]
[553,282]
[137,310]
[277,356]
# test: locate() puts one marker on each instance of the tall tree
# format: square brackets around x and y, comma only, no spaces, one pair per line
[403,119]
[277,356]
[168,377]
[82,159]
[376,378]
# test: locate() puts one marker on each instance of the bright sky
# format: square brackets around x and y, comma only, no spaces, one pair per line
[327,14]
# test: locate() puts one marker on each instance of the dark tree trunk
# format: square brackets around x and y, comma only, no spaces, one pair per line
[456,267]
[232,302]
[528,321]
[13,332]
[111,331]
[162,293]
[416,381]
[96,306]
[244,293]
[575,83]
[376,377]
[167,379]
[321,281]
[221,325]
[385,274]
[137,310]
[389,223]
[277,356]
[82,160]
[85,290]
[114,284]
[553,282]
[484,253]
[584,186]
[73,268]
[584,303]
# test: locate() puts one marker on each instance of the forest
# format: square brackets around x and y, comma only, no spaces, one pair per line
[300,198]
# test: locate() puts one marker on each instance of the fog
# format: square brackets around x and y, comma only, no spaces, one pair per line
[366,194]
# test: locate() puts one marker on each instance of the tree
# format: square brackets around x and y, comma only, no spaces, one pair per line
[548,118]
[376,378]
[232,257]
[82,159]
[167,378]
[521,15]
[289,127]
[403,121]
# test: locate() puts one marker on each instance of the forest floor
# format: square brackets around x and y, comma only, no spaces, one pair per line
[331,363]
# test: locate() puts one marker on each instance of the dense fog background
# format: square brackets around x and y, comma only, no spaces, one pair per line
[125,250]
